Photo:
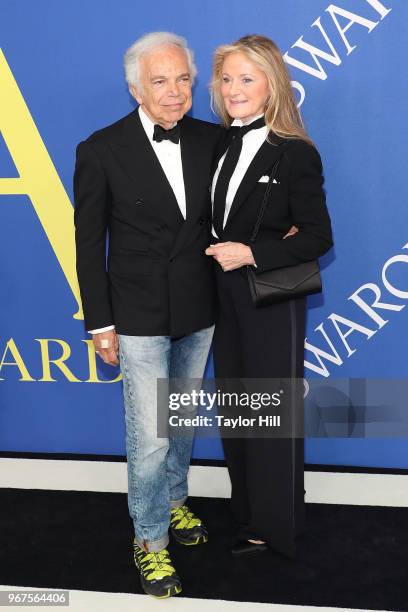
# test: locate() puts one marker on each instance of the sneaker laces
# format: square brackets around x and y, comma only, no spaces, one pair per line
[154,565]
[183,518]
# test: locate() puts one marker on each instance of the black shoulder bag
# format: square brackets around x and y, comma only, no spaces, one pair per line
[282,284]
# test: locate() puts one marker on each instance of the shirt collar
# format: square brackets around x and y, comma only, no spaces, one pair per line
[147,123]
[239,122]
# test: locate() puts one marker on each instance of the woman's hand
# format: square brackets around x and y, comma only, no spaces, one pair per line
[231,255]
[293,230]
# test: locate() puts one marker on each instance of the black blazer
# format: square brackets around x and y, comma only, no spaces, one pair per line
[156,279]
[297,198]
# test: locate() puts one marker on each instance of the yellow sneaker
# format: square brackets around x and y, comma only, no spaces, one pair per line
[157,573]
[186,527]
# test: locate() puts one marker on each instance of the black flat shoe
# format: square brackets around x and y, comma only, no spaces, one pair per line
[243,547]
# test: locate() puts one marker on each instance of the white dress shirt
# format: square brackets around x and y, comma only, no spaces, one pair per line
[251,143]
[169,155]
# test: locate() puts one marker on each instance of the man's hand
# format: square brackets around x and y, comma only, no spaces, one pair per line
[107,346]
[231,255]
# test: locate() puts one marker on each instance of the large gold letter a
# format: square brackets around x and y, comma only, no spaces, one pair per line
[38,176]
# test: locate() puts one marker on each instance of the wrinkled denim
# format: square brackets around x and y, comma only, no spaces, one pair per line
[157,467]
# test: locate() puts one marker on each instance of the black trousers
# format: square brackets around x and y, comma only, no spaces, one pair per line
[267,474]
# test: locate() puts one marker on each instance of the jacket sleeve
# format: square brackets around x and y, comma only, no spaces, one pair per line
[91,217]
[307,207]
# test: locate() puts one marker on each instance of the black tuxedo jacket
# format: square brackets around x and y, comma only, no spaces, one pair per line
[297,198]
[154,278]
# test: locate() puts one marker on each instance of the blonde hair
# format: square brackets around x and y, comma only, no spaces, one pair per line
[282,115]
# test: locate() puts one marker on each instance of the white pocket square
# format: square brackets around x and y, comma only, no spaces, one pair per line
[265,179]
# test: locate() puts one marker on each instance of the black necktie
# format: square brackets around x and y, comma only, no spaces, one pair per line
[226,172]
[160,133]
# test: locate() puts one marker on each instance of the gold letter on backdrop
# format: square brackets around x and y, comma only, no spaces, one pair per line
[38,177]
[18,361]
[58,361]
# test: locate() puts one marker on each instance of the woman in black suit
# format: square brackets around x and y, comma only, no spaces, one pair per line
[252,94]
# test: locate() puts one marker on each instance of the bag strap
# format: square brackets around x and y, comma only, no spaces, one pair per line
[265,199]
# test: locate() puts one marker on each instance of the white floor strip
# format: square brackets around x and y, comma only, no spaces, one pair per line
[85,601]
[321,487]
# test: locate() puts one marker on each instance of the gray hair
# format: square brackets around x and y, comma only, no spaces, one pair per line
[148,43]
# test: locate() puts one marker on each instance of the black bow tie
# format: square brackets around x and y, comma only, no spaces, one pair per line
[244,129]
[160,133]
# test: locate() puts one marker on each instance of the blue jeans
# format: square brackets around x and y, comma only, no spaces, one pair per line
[157,466]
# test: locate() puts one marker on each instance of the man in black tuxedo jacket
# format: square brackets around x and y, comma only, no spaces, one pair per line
[144,183]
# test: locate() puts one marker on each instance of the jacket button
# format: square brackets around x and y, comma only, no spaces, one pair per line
[172,259]
[201,221]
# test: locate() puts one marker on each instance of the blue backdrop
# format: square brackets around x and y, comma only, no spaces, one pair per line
[61,78]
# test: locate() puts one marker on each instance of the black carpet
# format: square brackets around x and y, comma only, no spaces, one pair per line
[350,556]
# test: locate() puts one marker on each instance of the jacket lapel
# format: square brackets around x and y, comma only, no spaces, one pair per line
[195,180]
[223,145]
[260,165]
[191,161]
[138,159]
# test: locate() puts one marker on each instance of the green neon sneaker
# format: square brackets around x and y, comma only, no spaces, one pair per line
[186,527]
[157,573]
